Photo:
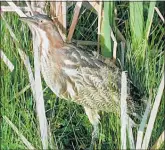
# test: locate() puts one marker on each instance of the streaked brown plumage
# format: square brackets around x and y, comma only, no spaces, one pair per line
[75,75]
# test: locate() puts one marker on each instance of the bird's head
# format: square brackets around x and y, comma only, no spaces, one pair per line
[41,21]
[44,24]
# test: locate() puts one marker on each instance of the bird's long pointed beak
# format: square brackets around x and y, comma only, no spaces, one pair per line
[30,20]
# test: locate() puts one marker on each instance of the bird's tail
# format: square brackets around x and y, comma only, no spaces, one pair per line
[135,107]
[136,103]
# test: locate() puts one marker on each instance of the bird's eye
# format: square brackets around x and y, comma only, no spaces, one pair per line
[41,21]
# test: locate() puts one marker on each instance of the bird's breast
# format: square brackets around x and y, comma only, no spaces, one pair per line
[58,77]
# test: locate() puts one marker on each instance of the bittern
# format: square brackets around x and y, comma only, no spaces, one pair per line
[76,75]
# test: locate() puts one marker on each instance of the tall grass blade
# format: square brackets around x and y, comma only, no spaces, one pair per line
[6,60]
[17,10]
[26,61]
[25,9]
[58,10]
[114,45]
[99,24]
[95,5]
[153,115]
[159,142]
[123,109]
[136,21]
[9,28]
[29,6]
[23,56]
[39,93]
[150,18]
[24,140]
[22,91]
[106,43]
[159,13]
[74,21]
[142,126]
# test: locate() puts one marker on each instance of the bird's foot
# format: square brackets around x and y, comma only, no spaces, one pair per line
[92,145]
[94,141]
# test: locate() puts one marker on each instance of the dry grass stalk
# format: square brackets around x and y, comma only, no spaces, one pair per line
[58,5]
[22,137]
[99,25]
[80,42]
[22,91]
[70,4]
[17,10]
[74,21]
[60,15]
[9,28]
[115,45]
[126,122]
[29,6]
[159,13]
[143,125]
[39,93]
[119,36]
[44,128]
[33,3]
[11,9]
[89,7]
[40,107]
[53,9]
[26,61]
[64,9]
[23,56]
[36,87]
[95,5]
[41,4]
[130,134]
[123,112]
[36,6]
[122,54]
[6,60]
[153,115]
[159,142]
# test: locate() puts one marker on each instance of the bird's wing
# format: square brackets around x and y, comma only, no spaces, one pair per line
[87,77]
[85,58]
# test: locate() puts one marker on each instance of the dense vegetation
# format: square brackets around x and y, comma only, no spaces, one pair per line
[69,124]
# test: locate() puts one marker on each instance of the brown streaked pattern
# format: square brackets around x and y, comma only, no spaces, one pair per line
[76,75]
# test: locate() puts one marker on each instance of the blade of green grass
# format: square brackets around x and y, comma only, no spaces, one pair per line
[150,18]
[106,43]
[136,21]
[24,140]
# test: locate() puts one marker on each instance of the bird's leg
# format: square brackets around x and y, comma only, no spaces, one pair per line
[95,134]
[94,119]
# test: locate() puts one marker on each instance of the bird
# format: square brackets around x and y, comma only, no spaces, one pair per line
[77,75]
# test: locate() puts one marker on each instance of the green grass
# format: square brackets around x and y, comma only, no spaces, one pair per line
[69,124]
[106,27]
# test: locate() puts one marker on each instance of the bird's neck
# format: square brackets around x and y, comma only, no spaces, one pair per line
[50,40]
[54,37]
